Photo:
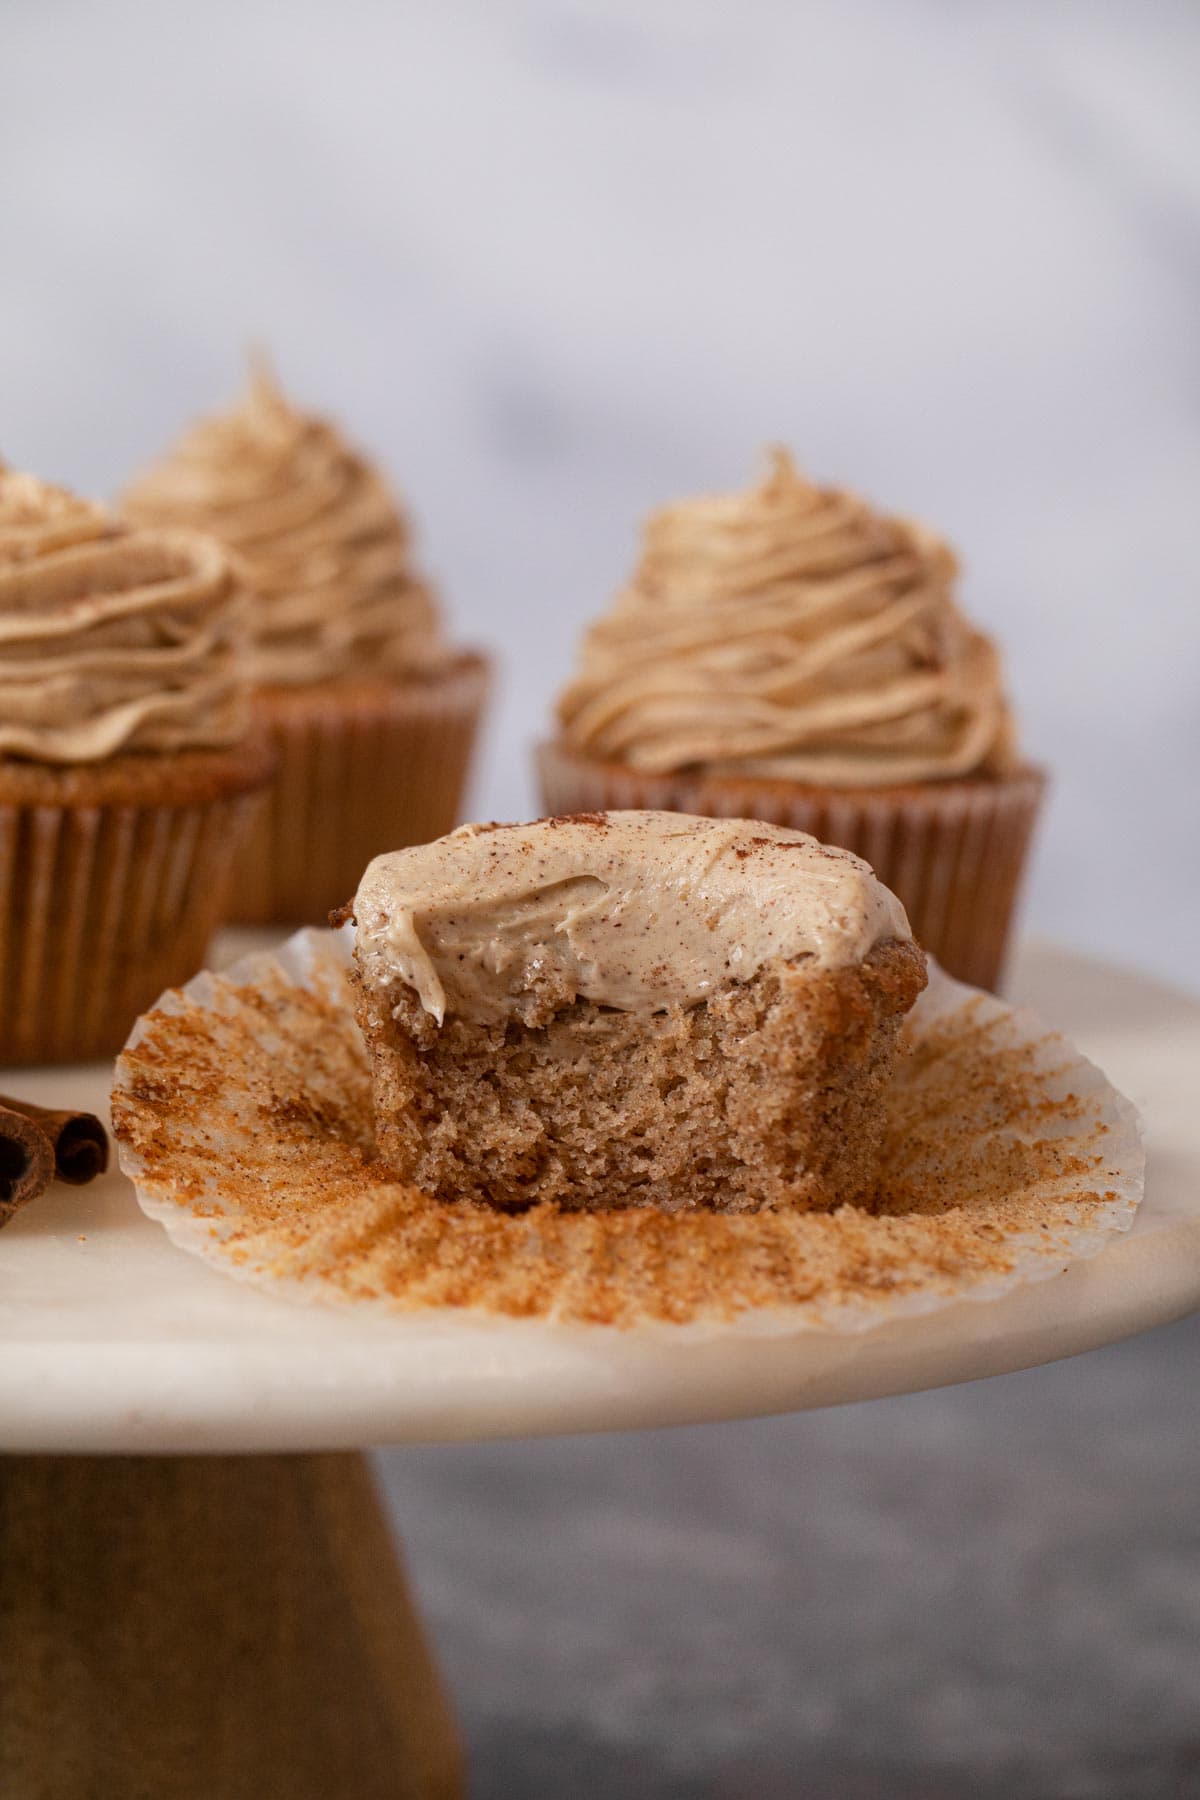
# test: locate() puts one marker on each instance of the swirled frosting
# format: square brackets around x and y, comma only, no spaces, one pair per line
[790,631]
[635,910]
[324,547]
[112,639]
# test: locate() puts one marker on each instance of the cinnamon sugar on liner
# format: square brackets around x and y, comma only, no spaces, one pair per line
[242,1111]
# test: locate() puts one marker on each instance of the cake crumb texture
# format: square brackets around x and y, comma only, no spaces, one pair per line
[768,1094]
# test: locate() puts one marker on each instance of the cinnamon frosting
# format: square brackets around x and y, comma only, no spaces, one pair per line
[635,910]
[323,544]
[791,632]
[111,639]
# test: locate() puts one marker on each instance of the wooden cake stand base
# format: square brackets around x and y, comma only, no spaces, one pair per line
[211,1628]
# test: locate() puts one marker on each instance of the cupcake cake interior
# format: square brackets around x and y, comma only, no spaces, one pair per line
[631,1009]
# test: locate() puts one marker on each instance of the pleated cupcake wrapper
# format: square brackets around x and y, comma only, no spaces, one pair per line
[101,908]
[953,852]
[358,773]
[1010,1156]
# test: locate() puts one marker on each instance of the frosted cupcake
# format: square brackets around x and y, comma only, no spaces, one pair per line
[371,712]
[789,654]
[631,1009]
[128,772]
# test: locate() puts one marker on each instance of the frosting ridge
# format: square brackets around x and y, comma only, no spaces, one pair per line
[111,639]
[790,631]
[634,910]
[325,548]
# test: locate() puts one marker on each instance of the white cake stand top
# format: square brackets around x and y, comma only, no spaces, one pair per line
[111,1341]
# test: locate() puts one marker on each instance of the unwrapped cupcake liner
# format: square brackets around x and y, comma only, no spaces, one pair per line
[1008,1157]
[101,907]
[364,766]
[954,851]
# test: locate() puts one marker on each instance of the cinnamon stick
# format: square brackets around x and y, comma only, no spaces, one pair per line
[26,1162]
[78,1140]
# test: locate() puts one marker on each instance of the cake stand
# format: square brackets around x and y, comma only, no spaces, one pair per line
[180,1618]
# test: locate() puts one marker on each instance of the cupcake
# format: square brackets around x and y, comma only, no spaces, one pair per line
[371,713]
[791,655]
[128,769]
[631,1009]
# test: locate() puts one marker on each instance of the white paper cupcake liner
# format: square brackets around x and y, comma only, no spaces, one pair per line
[242,1111]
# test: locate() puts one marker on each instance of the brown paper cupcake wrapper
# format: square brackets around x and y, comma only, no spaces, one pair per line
[953,851]
[1008,1155]
[101,908]
[364,766]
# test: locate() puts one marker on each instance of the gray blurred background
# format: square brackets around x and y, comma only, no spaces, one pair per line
[555,263]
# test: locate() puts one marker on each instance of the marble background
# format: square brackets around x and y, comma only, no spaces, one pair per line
[556,262]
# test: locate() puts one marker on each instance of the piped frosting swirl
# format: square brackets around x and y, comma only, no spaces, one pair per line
[793,632]
[324,546]
[112,639]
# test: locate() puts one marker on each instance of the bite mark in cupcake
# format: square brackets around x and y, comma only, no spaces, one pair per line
[665,1011]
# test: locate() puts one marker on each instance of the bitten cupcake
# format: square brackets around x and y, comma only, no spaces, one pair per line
[790,654]
[128,771]
[632,1009]
[372,714]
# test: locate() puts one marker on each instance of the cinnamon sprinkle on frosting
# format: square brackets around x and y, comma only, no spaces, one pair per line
[634,910]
